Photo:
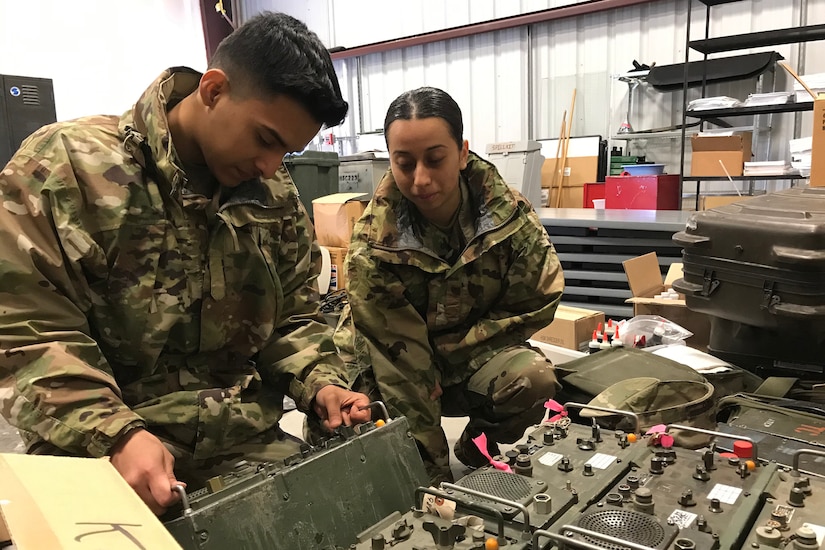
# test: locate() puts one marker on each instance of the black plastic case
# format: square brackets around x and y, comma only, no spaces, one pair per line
[759,265]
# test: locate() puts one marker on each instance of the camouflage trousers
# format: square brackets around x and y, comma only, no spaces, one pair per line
[502,399]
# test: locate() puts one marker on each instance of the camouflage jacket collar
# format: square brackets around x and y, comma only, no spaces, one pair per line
[391,223]
[145,129]
[146,135]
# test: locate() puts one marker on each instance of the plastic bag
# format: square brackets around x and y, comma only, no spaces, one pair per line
[644,331]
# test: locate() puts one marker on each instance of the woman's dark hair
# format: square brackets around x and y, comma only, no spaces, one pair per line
[274,54]
[426,103]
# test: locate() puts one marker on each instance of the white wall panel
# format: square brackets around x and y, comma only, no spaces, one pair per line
[489,77]
[486,74]
[351,23]
[96,51]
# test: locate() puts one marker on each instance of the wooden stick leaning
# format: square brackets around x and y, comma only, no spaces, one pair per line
[558,158]
[798,79]
[566,147]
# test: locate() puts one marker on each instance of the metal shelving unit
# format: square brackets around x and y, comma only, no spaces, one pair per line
[753,110]
[758,39]
[733,43]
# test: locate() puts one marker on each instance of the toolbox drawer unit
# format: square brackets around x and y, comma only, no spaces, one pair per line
[592,244]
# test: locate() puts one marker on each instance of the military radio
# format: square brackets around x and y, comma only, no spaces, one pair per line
[319,499]
[563,485]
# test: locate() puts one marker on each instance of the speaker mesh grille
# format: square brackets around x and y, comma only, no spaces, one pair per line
[624,524]
[496,483]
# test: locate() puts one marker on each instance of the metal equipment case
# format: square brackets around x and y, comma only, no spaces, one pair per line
[361,173]
[519,163]
[26,104]
[318,500]
[758,268]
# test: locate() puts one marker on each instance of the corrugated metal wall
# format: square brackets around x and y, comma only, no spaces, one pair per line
[517,83]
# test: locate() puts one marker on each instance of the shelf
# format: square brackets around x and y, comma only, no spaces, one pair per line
[671,134]
[753,110]
[759,39]
[743,178]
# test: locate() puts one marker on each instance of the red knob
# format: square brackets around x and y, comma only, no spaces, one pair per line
[743,449]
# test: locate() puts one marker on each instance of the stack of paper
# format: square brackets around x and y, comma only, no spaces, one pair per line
[801,150]
[815,82]
[718,102]
[767,168]
[773,98]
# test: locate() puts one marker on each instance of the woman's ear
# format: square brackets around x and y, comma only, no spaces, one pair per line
[464,154]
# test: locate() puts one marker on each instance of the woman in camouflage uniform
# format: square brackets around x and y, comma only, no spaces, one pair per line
[450,272]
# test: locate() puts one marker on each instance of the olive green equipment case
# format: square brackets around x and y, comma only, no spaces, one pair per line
[319,500]
[783,416]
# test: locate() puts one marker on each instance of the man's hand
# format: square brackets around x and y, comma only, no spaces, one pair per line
[335,406]
[148,467]
[437,392]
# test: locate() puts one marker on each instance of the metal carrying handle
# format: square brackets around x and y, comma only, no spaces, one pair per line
[472,506]
[494,498]
[379,405]
[633,416]
[184,499]
[799,453]
[755,457]
[584,544]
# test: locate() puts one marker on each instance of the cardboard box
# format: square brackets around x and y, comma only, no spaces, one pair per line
[338,279]
[571,197]
[818,144]
[577,172]
[733,151]
[572,328]
[706,202]
[644,276]
[642,192]
[335,216]
[78,503]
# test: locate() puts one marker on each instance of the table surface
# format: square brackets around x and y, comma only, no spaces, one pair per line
[649,220]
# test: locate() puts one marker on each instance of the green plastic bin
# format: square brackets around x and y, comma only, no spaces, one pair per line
[315,174]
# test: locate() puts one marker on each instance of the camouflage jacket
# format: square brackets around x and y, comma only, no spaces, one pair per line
[418,319]
[130,298]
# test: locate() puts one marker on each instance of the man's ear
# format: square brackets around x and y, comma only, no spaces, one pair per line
[213,85]
[464,154]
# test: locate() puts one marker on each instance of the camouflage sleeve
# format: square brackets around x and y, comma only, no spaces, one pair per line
[392,339]
[55,383]
[531,292]
[302,354]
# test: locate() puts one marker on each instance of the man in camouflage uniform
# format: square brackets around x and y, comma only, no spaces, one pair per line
[435,310]
[158,292]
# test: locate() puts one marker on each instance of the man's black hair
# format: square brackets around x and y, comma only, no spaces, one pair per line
[273,54]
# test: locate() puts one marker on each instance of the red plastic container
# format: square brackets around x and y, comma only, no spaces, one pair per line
[592,191]
[642,192]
